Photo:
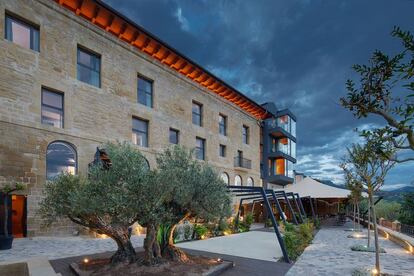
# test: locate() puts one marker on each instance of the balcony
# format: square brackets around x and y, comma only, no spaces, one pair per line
[279,179]
[241,162]
[281,154]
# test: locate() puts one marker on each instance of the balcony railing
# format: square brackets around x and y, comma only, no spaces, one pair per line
[242,162]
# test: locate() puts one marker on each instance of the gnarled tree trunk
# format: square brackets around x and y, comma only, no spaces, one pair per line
[125,252]
[152,252]
[171,252]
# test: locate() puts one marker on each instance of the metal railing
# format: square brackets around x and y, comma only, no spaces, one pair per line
[407,229]
[242,162]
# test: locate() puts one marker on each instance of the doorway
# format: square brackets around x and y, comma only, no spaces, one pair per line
[19,215]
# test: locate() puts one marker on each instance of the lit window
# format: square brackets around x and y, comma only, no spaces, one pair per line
[245,134]
[145,91]
[60,157]
[222,150]
[174,136]
[200,149]
[238,180]
[140,132]
[197,114]
[250,182]
[222,125]
[52,108]
[21,33]
[89,67]
[225,177]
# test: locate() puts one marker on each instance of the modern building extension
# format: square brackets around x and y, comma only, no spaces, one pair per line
[76,73]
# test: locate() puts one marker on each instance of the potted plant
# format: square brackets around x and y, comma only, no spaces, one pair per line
[6,240]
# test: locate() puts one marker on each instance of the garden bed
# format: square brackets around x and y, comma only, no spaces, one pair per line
[197,265]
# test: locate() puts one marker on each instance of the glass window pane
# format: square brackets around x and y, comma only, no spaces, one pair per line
[60,157]
[140,132]
[20,34]
[88,68]
[85,58]
[52,99]
[52,116]
[225,177]
[173,136]
[237,180]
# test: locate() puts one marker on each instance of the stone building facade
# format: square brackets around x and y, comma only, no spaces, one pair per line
[93,115]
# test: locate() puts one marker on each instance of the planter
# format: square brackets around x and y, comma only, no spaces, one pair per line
[6,242]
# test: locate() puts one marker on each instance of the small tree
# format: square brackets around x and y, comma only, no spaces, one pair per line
[407,209]
[355,196]
[378,94]
[194,190]
[367,164]
[107,201]
[7,190]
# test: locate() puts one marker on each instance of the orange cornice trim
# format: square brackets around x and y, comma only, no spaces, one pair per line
[113,22]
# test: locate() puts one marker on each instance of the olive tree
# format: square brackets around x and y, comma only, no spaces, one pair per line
[107,201]
[194,189]
[368,165]
[386,89]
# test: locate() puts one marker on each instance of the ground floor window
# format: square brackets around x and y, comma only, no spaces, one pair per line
[60,157]
[237,180]
[225,177]
[250,181]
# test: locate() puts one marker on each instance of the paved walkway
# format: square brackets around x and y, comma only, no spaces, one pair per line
[254,244]
[330,254]
[60,247]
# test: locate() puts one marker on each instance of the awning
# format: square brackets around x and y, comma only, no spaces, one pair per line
[315,189]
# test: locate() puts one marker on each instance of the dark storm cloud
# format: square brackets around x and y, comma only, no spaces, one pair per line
[297,54]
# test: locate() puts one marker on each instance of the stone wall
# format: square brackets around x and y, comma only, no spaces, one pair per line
[95,115]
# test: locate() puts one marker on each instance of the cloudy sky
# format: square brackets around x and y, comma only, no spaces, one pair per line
[296,53]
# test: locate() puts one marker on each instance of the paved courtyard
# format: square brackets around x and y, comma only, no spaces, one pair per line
[254,245]
[60,247]
[330,254]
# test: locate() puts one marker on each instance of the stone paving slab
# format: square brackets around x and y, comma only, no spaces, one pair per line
[254,244]
[330,254]
[60,247]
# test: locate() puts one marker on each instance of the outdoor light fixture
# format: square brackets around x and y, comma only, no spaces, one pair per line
[375,271]
[86,260]
[387,235]
[218,260]
[203,237]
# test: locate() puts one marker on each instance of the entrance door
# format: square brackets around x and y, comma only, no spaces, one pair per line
[19,216]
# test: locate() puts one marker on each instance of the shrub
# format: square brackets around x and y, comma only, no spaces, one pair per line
[306,231]
[293,245]
[317,223]
[188,231]
[289,226]
[269,223]
[200,231]
[223,225]
[248,220]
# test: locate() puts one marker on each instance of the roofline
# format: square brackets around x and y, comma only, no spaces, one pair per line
[261,113]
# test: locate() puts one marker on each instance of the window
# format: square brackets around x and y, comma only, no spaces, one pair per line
[250,182]
[60,157]
[222,124]
[222,150]
[200,148]
[144,91]
[52,108]
[174,136]
[89,67]
[140,132]
[237,180]
[245,134]
[197,114]
[21,33]
[225,177]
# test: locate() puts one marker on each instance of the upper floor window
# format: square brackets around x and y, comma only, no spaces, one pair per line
[197,114]
[52,108]
[174,136]
[140,132]
[89,67]
[222,124]
[22,33]
[245,133]
[61,157]
[144,91]
[200,149]
[222,150]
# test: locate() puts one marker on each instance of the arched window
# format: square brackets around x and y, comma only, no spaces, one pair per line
[250,182]
[147,164]
[237,180]
[225,177]
[60,157]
